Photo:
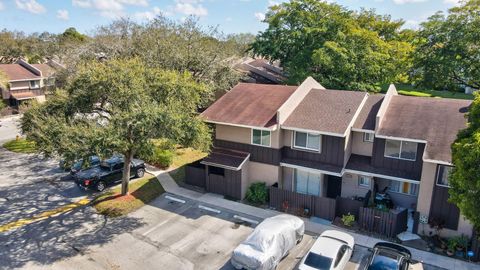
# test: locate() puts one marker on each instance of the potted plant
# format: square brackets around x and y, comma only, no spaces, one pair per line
[452,244]
[348,220]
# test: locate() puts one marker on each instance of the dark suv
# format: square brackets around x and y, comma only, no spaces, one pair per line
[109,172]
[388,256]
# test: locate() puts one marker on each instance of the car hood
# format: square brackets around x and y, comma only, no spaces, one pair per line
[91,173]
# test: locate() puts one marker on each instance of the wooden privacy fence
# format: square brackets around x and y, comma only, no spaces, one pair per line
[195,175]
[385,223]
[295,203]
[347,205]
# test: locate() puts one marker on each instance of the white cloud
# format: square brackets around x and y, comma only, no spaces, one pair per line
[62,14]
[411,24]
[401,2]
[2,7]
[191,7]
[260,16]
[109,8]
[148,15]
[451,2]
[31,6]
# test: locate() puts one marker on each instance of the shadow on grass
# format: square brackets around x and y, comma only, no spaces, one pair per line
[143,191]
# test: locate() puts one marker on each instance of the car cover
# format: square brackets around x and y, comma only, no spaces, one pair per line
[268,243]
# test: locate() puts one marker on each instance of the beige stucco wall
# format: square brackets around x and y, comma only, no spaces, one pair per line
[287,176]
[424,202]
[41,99]
[243,135]
[287,137]
[351,188]
[259,172]
[245,181]
[359,147]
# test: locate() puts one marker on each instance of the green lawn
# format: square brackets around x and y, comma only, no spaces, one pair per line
[408,90]
[184,156]
[21,146]
[141,192]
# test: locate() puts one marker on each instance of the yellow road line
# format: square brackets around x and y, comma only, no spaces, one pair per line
[22,222]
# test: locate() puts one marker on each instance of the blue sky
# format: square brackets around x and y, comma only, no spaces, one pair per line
[231,16]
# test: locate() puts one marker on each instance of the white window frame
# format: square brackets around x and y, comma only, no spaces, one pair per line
[319,150]
[360,177]
[369,135]
[400,150]
[36,82]
[294,186]
[261,134]
[438,176]
[401,188]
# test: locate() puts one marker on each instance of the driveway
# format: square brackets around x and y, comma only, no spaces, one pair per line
[9,128]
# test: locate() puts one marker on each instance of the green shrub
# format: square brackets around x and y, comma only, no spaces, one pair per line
[348,219]
[257,193]
[159,157]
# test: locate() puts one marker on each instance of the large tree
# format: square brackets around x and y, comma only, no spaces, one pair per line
[448,54]
[338,47]
[465,177]
[118,106]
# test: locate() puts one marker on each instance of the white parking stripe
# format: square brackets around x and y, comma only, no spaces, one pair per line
[175,199]
[154,228]
[209,209]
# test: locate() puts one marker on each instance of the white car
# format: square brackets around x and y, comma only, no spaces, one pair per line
[331,251]
[269,243]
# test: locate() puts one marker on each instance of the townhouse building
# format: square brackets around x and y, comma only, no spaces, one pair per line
[338,144]
[27,81]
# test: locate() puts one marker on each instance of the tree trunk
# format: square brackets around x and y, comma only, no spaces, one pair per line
[126,172]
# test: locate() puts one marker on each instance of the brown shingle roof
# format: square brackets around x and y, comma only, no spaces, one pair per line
[17,72]
[436,121]
[225,158]
[249,104]
[329,111]
[367,117]
[46,70]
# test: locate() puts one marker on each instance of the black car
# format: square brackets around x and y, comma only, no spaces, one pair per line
[388,256]
[109,172]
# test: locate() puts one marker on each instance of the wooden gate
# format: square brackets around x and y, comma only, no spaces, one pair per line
[324,207]
[385,223]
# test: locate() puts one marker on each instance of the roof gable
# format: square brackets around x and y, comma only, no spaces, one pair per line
[326,111]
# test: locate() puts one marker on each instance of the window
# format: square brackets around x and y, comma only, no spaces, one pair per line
[34,84]
[261,137]
[364,181]
[340,255]
[307,182]
[307,141]
[403,187]
[401,149]
[368,137]
[443,174]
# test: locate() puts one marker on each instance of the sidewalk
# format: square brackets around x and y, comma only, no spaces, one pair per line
[172,187]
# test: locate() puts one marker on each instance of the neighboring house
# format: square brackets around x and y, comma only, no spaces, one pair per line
[336,143]
[261,71]
[27,81]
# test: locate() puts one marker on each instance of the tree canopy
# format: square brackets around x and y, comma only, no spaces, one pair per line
[448,54]
[118,106]
[465,177]
[340,48]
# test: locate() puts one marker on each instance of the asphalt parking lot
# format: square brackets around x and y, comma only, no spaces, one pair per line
[177,235]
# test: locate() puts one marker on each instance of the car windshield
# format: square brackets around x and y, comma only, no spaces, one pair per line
[384,261]
[318,261]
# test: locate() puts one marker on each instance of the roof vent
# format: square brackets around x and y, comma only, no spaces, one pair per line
[348,111]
